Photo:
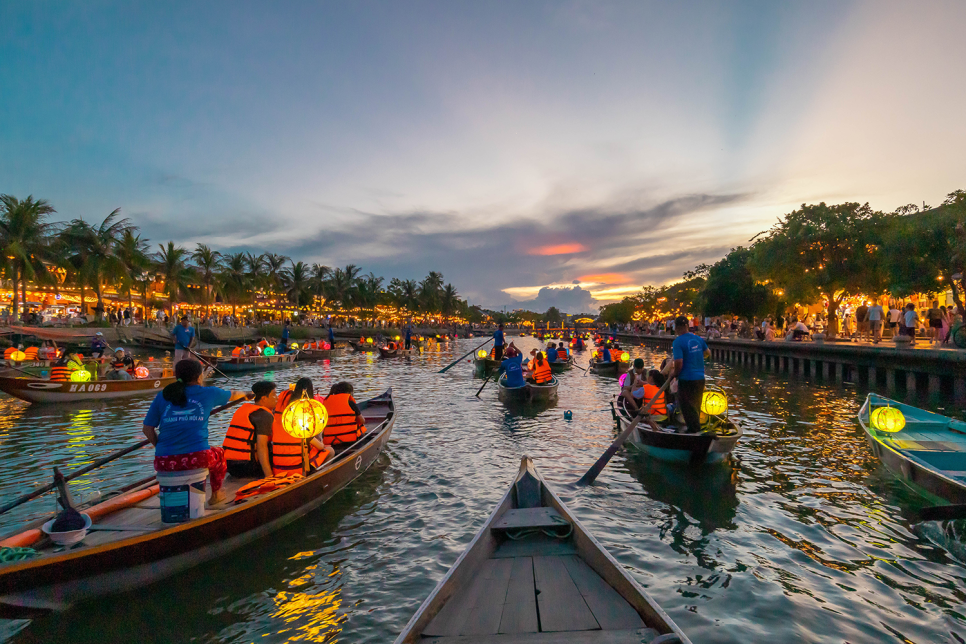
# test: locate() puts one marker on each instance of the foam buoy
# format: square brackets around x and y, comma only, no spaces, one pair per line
[568,415]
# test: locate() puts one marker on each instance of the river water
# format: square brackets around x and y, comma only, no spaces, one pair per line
[800,539]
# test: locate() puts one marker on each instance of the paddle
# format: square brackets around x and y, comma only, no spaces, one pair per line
[460,359]
[203,361]
[601,463]
[484,384]
[942,513]
[96,464]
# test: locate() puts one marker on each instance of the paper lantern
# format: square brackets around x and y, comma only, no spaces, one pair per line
[397,338]
[623,380]
[327,346]
[481,353]
[18,356]
[887,419]
[305,418]
[295,346]
[368,340]
[269,351]
[625,357]
[714,403]
[80,375]
[142,372]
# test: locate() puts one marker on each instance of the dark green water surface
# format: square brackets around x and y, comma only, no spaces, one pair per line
[800,539]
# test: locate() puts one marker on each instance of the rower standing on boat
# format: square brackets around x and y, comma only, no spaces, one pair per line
[184,337]
[331,337]
[248,440]
[498,343]
[689,352]
[285,334]
[409,334]
[177,425]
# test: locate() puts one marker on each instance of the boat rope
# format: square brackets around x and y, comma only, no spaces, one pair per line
[8,555]
[517,535]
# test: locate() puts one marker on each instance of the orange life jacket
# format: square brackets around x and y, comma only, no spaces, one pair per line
[286,449]
[61,374]
[31,353]
[343,426]
[659,408]
[541,372]
[239,442]
[615,355]
[391,346]
[263,343]
[562,354]
[264,486]
[236,352]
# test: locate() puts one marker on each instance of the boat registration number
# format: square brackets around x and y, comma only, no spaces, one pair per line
[88,387]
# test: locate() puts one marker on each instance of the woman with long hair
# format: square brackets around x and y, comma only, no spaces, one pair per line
[177,426]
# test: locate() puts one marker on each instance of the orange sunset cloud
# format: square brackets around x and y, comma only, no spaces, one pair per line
[606,278]
[559,249]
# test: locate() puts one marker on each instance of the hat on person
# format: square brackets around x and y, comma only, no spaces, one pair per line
[98,333]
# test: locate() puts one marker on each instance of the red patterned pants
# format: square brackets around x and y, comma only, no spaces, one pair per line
[213,458]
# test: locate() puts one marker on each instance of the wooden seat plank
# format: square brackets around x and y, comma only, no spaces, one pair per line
[561,606]
[529,518]
[520,610]
[610,609]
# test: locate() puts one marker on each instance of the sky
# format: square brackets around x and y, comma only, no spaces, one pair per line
[536,153]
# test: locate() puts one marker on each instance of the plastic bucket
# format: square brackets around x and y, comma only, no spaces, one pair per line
[182,495]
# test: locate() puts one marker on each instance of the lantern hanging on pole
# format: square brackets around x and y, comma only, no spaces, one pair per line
[714,403]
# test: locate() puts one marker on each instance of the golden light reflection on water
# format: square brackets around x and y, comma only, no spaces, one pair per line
[310,617]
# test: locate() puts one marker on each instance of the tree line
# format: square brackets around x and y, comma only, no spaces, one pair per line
[821,253]
[113,253]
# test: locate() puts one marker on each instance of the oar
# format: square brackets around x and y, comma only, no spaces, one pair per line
[601,463]
[210,364]
[942,513]
[96,464]
[484,384]
[452,364]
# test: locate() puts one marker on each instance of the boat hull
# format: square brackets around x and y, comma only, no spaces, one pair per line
[255,363]
[397,353]
[612,369]
[485,366]
[907,467]
[529,393]
[318,354]
[55,582]
[37,391]
[690,449]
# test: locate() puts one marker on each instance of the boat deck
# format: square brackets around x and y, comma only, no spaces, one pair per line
[934,443]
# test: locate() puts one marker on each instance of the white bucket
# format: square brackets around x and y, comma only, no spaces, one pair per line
[182,495]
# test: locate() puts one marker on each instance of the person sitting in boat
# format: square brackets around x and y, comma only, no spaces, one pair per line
[512,366]
[540,369]
[651,389]
[633,379]
[47,351]
[62,369]
[98,345]
[177,425]
[248,440]
[286,450]
[562,352]
[615,353]
[346,424]
[604,354]
[239,351]
[122,366]
[551,353]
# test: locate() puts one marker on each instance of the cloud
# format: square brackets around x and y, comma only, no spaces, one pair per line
[559,249]
[567,299]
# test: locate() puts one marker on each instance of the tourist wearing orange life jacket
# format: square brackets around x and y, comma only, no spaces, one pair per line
[562,352]
[540,369]
[247,443]
[346,424]
[286,449]
[238,351]
[615,353]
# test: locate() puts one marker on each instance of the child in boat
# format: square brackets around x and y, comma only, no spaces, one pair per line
[177,426]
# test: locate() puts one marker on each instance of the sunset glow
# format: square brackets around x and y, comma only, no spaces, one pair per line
[559,249]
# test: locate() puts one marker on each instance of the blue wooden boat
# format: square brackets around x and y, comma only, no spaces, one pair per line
[528,393]
[929,452]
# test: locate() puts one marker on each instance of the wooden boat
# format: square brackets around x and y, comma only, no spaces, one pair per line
[613,369]
[252,363]
[929,452]
[710,446]
[40,391]
[396,353]
[319,354]
[562,365]
[528,392]
[533,574]
[357,346]
[486,366]
[136,549]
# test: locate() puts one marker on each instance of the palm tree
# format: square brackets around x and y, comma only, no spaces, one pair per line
[449,300]
[297,279]
[233,279]
[173,267]
[369,291]
[206,261]
[24,241]
[255,267]
[133,254]
[341,286]
[320,275]
[429,291]
[274,265]
[410,295]
[97,246]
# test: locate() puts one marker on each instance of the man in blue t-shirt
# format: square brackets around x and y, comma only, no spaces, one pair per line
[551,353]
[689,352]
[184,336]
[513,368]
[498,343]
[285,334]
[331,337]
[409,334]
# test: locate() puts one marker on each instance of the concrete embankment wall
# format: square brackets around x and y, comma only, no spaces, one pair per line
[888,368]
